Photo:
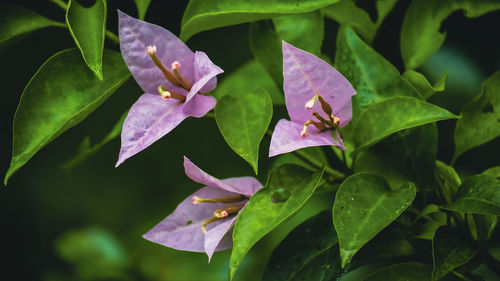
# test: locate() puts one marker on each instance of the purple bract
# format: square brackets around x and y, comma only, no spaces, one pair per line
[170,74]
[318,100]
[203,222]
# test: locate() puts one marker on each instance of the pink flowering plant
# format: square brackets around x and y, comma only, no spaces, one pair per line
[367,175]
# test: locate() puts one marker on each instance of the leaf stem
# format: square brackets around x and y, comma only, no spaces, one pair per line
[109,34]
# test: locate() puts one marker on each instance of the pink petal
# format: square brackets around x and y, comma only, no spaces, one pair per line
[198,175]
[220,237]
[304,76]
[246,185]
[182,229]
[151,117]
[135,36]
[286,138]
[204,75]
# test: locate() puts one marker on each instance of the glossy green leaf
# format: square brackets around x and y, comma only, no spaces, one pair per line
[265,44]
[142,7]
[347,13]
[481,227]
[86,150]
[434,219]
[364,205]
[395,114]
[246,78]
[419,81]
[94,253]
[201,15]
[409,271]
[303,254]
[304,31]
[448,181]
[243,121]
[479,194]
[420,33]
[286,191]
[484,109]
[362,66]
[17,21]
[60,95]
[384,7]
[414,150]
[88,28]
[449,251]
[493,172]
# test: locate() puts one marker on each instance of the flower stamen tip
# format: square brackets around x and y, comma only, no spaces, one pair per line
[151,49]
[336,120]
[304,132]
[310,103]
[176,65]
[164,93]
[196,200]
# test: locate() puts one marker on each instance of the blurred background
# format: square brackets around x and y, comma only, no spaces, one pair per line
[87,223]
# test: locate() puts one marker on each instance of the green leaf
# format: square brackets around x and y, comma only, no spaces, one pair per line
[448,181]
[409,271]
[246,78]
[60,95]
[419,81]
[395,114]
[85,150]
[243,121]
[479,194]
[363,206]
[481,227]
[420,35]
[347,13]
[384,7]
[142,7]
[88,28]
[362,66]
[265,44]
[484,109]
[493,172]
[449,251]
[414,150]
[309,252]
[95,254]
[286,191]
[17,22]
[304,31]
[201,15]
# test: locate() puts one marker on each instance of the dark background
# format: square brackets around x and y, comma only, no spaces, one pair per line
[43,203]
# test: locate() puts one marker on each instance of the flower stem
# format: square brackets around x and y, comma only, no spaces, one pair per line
[110,35]
[313,161]
[304,156]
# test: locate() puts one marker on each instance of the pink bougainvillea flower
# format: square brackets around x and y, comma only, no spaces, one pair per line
[171,76]
[318,100]
[203,222]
